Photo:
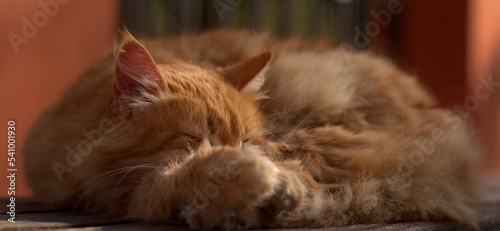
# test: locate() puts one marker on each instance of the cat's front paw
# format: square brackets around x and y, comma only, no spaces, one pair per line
[236,189]
[288,194]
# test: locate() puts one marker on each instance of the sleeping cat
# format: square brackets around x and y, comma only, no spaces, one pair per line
[218,131]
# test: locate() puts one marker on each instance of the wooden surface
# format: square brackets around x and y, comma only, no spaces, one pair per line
[31,215]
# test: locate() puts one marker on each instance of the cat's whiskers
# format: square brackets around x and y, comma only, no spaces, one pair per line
[121,179]
[95,178]
[302,121]
[107,175]
[278,116]
[270,98]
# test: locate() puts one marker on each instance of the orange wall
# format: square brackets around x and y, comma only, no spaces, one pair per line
[68,40]
[483,60]
[450,45]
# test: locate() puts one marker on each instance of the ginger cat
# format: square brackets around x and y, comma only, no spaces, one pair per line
[217,131]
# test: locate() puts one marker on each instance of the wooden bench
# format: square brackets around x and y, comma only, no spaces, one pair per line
[31,215]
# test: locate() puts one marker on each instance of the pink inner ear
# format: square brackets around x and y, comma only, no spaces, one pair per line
[132,64]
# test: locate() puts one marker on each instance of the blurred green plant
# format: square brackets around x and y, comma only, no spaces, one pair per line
[311,19]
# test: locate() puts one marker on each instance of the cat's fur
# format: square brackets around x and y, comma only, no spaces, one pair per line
[330,139]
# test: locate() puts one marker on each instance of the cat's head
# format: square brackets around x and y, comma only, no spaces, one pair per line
[186,104]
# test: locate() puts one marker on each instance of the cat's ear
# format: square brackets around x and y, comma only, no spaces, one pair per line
[248,75]
[136,73]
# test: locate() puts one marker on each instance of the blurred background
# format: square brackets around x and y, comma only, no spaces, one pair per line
[452,45]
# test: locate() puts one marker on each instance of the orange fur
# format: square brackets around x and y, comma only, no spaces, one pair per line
[325,141]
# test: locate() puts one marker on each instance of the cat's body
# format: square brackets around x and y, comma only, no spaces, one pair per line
[330,139]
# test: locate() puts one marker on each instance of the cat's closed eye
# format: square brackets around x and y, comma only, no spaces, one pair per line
[193,137]
[245,141]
